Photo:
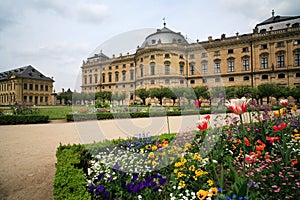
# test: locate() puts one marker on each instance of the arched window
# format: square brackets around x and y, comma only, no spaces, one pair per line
[103,78]
[181,68]
[246,78]
[280,59]
[109,77]
[281,75]
[116,76]
[124,75]
[167,67]
[152,68]
[230,62]
[192,68]
[297,57]
[264,77]
[204,67]
[217,66]
[141,70]
[264,60]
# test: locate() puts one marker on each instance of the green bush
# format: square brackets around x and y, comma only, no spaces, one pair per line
[70,178]
[23,119]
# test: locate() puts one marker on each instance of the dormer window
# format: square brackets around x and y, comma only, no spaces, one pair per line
[153,41]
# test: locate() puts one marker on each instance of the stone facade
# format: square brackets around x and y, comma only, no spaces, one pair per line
[166,59]
[25,85]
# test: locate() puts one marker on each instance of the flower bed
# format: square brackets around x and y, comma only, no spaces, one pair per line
[255,160]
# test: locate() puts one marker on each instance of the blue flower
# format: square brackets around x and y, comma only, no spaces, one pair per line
[99,189]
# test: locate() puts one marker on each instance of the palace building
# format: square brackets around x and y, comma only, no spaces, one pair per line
[270,54]
[25,85]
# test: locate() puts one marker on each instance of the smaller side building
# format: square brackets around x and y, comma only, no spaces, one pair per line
[25,85]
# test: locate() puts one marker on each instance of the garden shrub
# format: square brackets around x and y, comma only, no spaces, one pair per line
[70,178]
[23,119]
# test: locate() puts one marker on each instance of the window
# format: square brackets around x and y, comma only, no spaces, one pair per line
[181,68]
[167,81]
[264,61]
[246,64]
[109,77]
[25,86]
[142,59]
[123,86]
[192,69]
[297,58]
[152,82]
[204,80]
[295,25]
[153,41]
[42,87]
[96,78]
[123,75]
[142,70]
[231,79]
[25,98]
[41,99]
[167,55]
[152,57]
[280,59]
[217,66]
[230,51]
[231,65]
[152,69]
[96,70]
[46,87]
[245,49]
[264,77]
[217,53]
[246,78]
[131,85]
[30,86]
[181,56]
[30,99]
[91,79]
[204,55]
[131,64]
[204,67]
[124,65]
[131,75]
[280,44]
[167,68]
[217,79]
[281,75]
[103,78]
[298,74]
[263,46]
[116,76]
[192,56]
[117,67]
[46,99]
[192,81]
[109,68]
[181,81]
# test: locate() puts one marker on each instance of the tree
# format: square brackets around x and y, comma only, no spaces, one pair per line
[267,90]
[242,91]
[142,94]
[159,93]
[295,92]
[201,92]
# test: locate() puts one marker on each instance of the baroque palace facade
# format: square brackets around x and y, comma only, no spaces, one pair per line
[25,85]
[270,54]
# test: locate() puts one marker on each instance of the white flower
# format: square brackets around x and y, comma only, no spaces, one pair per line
[140,197]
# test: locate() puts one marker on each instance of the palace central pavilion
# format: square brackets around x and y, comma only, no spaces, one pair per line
[270,54]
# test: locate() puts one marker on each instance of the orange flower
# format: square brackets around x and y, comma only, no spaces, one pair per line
[247,142]
[295,161]
[261,146]
[272,139]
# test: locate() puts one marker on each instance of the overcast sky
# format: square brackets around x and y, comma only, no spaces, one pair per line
[55,36]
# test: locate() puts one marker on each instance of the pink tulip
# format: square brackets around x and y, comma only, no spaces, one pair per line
[237,106]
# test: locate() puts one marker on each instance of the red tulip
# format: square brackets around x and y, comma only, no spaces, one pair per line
[272,139]
[284,102]
[237,106]
[203,124]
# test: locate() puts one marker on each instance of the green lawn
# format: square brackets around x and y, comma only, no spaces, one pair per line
[55,112]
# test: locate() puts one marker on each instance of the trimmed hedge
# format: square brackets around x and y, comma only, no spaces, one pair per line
[102,116]
[107,115]
[23,119]
[70,179]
